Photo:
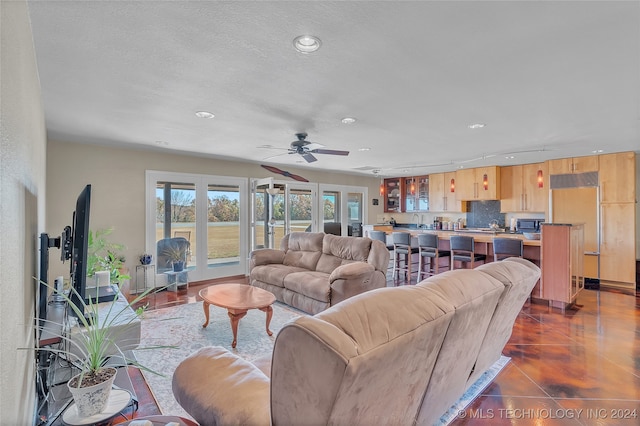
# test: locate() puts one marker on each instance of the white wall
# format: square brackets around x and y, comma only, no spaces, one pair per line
[117,178]
[22,199]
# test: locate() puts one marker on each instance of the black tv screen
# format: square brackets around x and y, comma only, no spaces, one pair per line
[79,248]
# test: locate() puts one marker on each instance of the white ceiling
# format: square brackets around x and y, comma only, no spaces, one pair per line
[550,78]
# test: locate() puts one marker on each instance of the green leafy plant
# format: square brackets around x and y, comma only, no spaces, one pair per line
[104,255]
[90,349]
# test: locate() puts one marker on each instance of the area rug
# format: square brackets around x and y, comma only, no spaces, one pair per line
[181,326]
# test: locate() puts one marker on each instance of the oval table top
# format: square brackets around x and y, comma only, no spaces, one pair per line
[237,296]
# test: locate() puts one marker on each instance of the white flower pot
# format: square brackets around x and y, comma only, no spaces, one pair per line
[92,400]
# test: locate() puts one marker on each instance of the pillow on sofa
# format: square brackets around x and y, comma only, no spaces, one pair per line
[337,251]
[304,249]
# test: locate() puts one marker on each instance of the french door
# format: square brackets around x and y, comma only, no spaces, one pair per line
[343,208]
[279,208]
[207,211]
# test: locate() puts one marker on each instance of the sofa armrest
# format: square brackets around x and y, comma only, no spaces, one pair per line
[354,278]
[216,387]
[266,256]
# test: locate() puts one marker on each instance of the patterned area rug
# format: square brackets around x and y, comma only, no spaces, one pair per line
[182,326]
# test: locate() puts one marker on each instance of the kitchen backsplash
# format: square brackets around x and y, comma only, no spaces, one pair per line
[481,213]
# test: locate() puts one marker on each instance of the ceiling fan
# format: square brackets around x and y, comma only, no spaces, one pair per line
[306,149]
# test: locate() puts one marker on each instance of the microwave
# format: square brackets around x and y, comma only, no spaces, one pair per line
[529,225]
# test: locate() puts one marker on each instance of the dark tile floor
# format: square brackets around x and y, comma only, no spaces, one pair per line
[577,367]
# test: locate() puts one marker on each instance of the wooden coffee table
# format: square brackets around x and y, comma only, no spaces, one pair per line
[237,299]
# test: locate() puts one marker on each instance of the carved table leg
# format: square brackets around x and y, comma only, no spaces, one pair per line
[205,306]
[269,311]
[235,316]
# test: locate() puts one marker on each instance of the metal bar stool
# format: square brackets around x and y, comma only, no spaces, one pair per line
[428,248]
[402,251]
[463,250]
[507,247]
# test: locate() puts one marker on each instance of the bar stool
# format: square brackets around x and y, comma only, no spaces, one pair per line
[402,252]
[507,247]
[382,236]
[463,250]
[428,248]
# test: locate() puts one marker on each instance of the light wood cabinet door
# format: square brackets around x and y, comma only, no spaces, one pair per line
[470,184]
[563,166]
[535,197]
[618,177]
[436,192]
[617,242]
[465,184]
[441,199]
[511,189]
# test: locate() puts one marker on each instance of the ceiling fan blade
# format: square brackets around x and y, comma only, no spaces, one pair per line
[329,151]
[309,157]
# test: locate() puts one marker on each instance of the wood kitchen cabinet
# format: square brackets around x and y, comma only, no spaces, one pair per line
[416,194]
[470,184]
[563,166]
[561,260]
[617,177]
[617,243]
[393,191]
[441,198]
[520,190]
[618,218]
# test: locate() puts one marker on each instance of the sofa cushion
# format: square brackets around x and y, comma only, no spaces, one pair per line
[273,274]
[337,251]
[309,283]
[304,249]
[239,385]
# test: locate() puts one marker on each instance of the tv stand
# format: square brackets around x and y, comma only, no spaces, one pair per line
[54,370]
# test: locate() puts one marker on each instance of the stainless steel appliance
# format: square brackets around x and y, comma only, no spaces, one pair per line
[528,225]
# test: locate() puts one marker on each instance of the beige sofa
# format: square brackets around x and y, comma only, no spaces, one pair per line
[312,271]
[392,356]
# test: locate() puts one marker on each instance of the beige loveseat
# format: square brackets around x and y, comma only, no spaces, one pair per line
[391,356]
[312,271]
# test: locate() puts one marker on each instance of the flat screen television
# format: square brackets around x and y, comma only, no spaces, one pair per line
[79,248]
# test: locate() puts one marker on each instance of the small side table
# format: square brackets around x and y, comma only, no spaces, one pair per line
[145,275]
[176,280]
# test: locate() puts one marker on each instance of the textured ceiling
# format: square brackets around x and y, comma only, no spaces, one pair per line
[549,79]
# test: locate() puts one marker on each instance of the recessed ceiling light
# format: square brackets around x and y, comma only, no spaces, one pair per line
[162,143]
[348,120]
[306,43]
[597,151]
[509,157]
[364,149]
[477,125]
[204,114]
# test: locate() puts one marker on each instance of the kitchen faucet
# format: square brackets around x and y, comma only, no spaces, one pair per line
[414,217]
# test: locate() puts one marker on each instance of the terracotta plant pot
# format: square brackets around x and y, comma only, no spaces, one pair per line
[92,400]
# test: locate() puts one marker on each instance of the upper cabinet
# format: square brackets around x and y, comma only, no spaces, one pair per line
[573,165]
[524,188]
[442,195]
[416,194]
[481,183]
[392,192]
[617,177]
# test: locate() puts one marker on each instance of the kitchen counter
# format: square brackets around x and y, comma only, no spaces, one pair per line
[479,235]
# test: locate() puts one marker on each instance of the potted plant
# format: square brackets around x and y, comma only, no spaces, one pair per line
[177,254]
[91,348]
[104,255]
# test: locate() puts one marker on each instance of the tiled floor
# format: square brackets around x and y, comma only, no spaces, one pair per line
[581,366]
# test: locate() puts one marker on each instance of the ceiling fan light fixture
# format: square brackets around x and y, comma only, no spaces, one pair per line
[204,114]
[306,43]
